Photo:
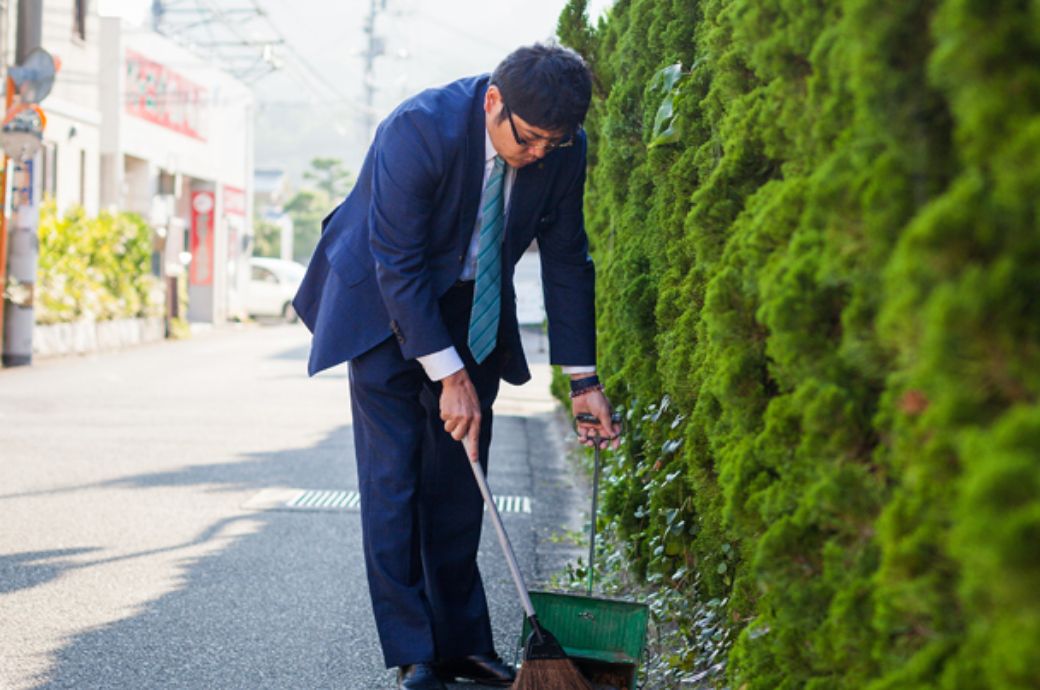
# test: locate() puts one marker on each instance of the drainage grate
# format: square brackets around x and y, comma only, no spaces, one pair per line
[513,504]
[298,499]
[326,500]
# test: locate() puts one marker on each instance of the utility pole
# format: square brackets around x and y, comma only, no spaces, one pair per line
[23,237]
[157,14]
[376,47]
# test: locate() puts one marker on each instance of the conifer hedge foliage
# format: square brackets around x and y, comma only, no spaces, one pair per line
[817,234]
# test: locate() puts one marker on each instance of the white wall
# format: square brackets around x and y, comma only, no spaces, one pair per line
[73,106]
[198,127]
[220,149]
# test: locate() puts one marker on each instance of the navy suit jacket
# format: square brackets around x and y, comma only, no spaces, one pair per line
[398,241]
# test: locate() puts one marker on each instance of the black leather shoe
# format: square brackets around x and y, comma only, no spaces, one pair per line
[418,677]
[486,669]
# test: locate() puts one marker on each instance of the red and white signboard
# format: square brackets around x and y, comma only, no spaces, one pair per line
[234,201]
[203,205]
[163,97]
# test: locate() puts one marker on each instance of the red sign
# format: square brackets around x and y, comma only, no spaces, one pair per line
[234,201]
[163,97]
[202,207]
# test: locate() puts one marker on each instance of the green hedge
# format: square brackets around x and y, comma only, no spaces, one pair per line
[94,268]
[819,286]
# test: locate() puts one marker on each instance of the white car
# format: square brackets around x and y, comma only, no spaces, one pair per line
[272,285]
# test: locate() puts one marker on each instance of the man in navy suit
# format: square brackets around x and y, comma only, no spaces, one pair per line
[412,282]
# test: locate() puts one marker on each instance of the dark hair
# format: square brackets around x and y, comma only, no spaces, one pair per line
[549,86]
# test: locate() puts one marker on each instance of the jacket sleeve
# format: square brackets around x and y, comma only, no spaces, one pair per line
[568,274]
[408,167]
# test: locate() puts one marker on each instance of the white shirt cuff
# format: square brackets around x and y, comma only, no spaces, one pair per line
[440,364]
[578,370]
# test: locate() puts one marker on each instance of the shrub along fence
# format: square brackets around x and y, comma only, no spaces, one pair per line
[95,288]
[817,235]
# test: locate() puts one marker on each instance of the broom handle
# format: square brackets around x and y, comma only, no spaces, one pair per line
[503,538]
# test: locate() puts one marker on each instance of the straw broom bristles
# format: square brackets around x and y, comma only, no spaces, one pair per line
[550,674]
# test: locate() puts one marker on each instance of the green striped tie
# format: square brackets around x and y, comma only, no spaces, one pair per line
[487,299]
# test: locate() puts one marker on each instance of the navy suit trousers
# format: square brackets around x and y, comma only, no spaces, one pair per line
[421,511]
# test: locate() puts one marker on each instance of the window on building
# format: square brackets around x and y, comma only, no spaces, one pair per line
[79,19]
[167,183]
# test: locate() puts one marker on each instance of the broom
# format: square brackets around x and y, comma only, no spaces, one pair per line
[546,666]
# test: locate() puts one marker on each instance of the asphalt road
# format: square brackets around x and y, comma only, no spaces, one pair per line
[144,540]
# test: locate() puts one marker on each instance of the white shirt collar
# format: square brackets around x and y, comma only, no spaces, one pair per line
[489,148]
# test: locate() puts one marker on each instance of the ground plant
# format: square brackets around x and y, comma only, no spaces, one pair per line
[816,227]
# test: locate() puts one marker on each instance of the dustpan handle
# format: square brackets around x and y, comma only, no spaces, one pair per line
[593,516]
[587,418]
[503,539]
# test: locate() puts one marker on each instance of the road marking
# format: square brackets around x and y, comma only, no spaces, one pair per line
[350,501]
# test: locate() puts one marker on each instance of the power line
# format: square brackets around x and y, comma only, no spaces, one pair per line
[459,32]
[307,65]
[214,31]
[225,41]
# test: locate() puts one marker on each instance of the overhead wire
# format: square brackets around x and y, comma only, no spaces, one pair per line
[311,77]
[306,63]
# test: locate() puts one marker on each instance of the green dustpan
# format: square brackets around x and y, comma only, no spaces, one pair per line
[605,638]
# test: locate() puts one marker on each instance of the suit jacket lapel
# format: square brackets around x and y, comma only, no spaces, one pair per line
[473,174]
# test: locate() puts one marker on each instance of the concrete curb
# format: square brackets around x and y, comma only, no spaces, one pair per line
[89,336]
[560,483]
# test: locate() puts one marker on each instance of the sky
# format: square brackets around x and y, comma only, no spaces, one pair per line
[313,106]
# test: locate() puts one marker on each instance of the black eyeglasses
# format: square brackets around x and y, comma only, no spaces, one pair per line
[547,144]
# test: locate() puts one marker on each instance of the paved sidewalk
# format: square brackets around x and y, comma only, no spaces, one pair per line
[135,547]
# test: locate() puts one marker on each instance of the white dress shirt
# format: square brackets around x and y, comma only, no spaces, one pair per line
[446,362]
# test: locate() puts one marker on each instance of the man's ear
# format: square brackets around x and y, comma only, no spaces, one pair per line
[492,98]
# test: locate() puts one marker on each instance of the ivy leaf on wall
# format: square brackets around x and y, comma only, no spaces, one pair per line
[665,129]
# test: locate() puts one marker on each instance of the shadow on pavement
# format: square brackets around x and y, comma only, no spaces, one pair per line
[283,606]
[296,353]
[32,568]
[329,460]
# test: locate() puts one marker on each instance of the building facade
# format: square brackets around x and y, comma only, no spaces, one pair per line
[177,147]
[70,159]
[136,122]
